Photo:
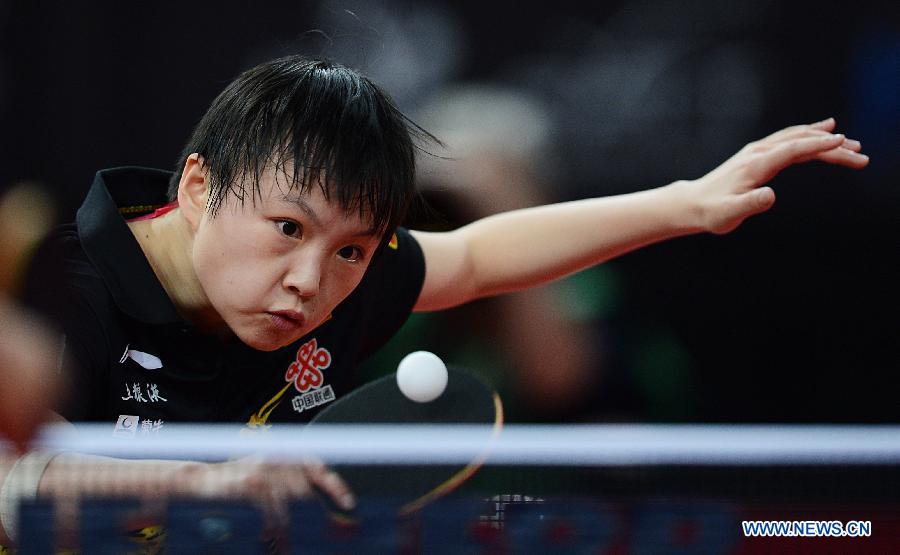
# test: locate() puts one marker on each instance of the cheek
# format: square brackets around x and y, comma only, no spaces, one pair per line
[231,269]
[343,283]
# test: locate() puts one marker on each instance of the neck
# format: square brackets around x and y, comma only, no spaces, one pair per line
[167,242]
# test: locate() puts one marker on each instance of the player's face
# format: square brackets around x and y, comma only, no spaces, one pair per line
[274,269]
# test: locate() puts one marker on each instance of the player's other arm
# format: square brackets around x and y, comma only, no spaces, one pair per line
[524,248]
[69,477]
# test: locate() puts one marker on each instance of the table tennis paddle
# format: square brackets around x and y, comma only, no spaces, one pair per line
[466,400]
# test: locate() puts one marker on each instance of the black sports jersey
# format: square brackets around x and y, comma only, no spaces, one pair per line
[133,360]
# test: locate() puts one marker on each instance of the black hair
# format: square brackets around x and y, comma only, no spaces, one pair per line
[340,131]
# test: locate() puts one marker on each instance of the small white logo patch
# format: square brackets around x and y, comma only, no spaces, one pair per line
[127,425]
[145,360]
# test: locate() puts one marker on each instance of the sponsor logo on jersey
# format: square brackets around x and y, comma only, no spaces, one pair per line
[129,425]
[312,399]
[306,371]
[306,376]
[144,360]
[135,392]
[126,425]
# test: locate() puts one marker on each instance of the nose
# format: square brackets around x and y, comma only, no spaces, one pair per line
[304,277]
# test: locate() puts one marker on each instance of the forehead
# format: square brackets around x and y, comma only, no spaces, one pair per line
[277,188]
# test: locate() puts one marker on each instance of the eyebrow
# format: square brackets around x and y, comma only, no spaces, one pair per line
[311,214]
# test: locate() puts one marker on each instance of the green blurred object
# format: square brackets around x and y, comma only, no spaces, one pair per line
[594,293]
[664,373]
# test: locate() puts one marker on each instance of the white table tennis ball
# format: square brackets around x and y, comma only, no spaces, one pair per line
[422,376]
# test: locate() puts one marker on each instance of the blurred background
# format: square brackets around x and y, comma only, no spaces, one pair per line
[792,318]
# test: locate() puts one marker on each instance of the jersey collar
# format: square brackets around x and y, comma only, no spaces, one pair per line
[109,244]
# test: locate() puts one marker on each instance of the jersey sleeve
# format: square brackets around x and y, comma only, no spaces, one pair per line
[64,289]
[389,291]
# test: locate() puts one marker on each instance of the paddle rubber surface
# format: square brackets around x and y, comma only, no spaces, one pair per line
[467,400]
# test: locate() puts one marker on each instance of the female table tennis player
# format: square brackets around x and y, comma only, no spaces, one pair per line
[247,285]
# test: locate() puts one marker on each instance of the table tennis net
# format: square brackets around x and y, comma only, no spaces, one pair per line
[598,488]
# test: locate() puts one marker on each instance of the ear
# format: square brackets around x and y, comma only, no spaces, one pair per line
[193,190]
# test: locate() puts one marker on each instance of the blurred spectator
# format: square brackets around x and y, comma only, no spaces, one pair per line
[28,354]
[538,348]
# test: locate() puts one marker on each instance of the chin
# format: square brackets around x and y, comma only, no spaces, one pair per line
[262,342]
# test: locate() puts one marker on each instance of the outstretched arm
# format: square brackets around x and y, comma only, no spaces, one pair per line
[523,248]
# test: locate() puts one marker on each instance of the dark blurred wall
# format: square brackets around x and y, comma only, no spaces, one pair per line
[792,318]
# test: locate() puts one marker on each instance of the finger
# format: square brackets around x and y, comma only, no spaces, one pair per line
[844,157]
[782,133]
[295,482]
[756,201]
[850,144]
[275,508]
[258,481]
[331,484]
[800,150]
[792,134]
[826,124]
[271,501]
[853,145]
[738,208]
[806,131]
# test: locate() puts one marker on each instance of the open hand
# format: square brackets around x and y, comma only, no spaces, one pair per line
[734,191]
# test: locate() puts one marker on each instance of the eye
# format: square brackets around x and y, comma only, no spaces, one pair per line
[289,228]
[351,253]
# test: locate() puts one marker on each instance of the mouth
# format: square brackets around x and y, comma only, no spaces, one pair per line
[286,320]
